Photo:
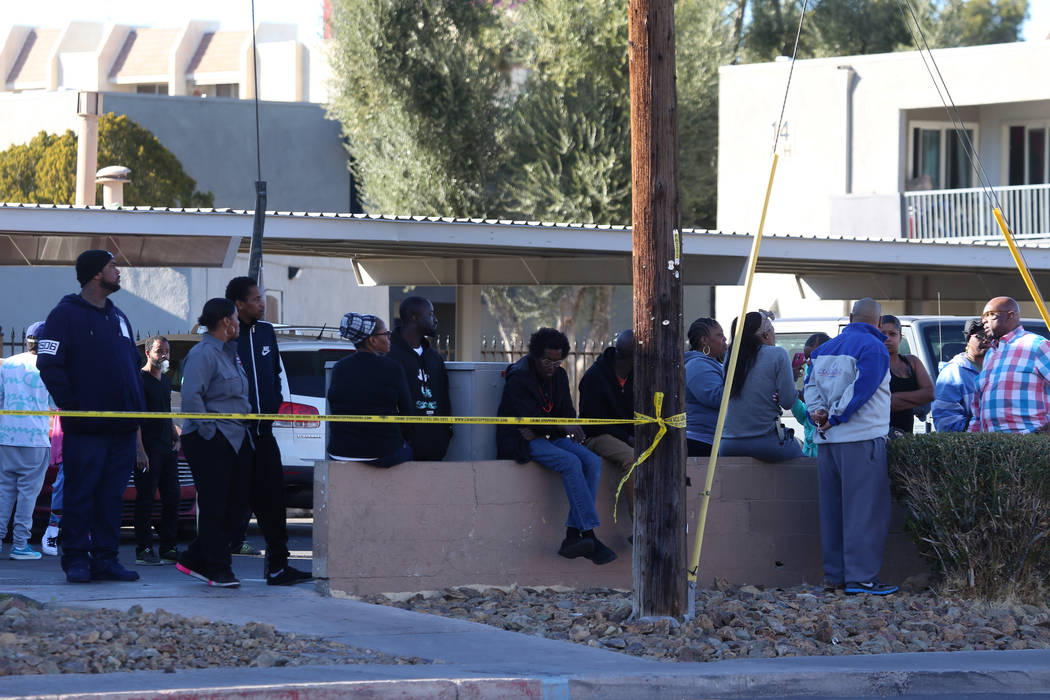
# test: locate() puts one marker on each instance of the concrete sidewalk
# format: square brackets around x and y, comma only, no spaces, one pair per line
[477,661]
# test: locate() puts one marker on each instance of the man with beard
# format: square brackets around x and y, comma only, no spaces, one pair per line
[427,378]
[259,356]
[88,361]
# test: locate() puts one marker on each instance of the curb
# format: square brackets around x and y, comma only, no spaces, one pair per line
[1011,679]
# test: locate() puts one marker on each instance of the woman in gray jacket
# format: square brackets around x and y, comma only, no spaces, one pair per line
[219,451]
[764,384]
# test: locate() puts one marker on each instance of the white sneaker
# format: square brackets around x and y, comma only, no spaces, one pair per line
[49,542]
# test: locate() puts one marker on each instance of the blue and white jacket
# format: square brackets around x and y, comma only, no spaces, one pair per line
[850,379]
[953,402]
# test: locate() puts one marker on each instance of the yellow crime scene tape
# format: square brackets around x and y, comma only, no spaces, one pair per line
[677,421]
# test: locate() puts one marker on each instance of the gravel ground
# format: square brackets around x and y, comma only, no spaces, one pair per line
[45,639]
[747,621]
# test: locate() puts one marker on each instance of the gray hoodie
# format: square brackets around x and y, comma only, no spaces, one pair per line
[754,412]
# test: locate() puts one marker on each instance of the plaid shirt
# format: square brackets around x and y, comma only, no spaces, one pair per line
[1013,388]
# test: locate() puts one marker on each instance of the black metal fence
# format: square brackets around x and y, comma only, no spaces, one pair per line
[13,340]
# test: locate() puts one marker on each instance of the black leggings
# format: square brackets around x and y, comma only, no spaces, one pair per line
[697,448]
[222,478]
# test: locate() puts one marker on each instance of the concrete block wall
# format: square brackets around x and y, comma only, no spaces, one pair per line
[429,525]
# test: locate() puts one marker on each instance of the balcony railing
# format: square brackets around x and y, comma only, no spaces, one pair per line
[967,213]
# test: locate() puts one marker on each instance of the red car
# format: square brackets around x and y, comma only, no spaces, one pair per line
[187,501]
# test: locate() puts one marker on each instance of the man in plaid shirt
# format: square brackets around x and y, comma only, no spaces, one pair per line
[1013,388]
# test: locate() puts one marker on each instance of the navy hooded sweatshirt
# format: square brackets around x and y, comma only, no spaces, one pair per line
[88,361]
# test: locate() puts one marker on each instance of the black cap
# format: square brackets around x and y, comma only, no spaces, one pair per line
[90,263]
[973,327]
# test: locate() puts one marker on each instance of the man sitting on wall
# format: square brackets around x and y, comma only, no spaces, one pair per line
[607,391]
[427,379]
[538,387]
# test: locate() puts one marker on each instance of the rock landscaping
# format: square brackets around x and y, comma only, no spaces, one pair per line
[747,621]
[45,640]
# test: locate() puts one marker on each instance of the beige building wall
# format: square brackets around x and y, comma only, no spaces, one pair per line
[821,158]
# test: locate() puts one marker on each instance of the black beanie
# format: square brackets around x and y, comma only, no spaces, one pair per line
[90,263]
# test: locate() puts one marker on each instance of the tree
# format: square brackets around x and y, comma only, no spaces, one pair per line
[44,170]
[419,94]
[974,22]
[850,27]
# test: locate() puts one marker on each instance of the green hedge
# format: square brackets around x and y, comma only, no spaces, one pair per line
[979,506]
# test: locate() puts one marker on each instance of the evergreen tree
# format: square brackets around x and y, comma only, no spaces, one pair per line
[418,94]
[44,170]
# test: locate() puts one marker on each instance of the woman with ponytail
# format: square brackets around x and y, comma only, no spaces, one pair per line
[763,385]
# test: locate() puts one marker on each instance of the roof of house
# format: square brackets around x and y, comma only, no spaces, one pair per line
[218,52]
[145,53]
[30,68]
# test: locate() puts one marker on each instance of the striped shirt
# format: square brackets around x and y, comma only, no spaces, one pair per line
[1013,388]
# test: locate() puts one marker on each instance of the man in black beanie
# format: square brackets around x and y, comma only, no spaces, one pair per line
[88,361]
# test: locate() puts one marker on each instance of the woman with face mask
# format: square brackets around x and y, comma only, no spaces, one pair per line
[159,439]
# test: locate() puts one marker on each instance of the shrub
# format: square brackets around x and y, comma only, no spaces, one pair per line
[978,507]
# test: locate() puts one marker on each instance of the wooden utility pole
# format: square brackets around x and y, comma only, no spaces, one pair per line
[659,515]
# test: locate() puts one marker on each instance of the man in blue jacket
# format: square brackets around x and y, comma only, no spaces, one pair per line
[848,397]
[88,361]
[257,350]
[957,382]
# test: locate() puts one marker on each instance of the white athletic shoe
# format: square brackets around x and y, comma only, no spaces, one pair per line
[49,542]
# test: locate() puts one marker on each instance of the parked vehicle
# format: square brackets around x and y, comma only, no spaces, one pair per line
[933,339]
[307,355]
[187,508]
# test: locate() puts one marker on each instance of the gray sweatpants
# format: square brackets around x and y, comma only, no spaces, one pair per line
[22,471]
[854,508]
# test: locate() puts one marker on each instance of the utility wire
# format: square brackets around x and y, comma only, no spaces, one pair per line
[958,125]
[791,71]
[255,81]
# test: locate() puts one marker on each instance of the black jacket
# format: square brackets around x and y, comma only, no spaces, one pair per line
[88,361]
[257,348]
[428,385]
[366,384]
[522,398]
[601,396]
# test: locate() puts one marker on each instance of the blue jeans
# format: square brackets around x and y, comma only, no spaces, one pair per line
[56,490]
[579,469]
[764,447]
[97,467]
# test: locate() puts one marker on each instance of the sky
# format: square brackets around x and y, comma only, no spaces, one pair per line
[236,14]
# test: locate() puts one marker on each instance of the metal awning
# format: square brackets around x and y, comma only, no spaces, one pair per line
[392,250]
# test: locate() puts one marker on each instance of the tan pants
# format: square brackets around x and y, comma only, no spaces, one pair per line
[621,456]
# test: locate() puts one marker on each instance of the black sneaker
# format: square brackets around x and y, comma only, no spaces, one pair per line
[869,587]
[114,571]
[146,557]
[832,586]
[601,554]
[224,579]
[287,576]
[244,549]
[575,545]
[169,556]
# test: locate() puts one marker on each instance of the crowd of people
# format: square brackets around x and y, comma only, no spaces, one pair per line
[857,391]
[83,358]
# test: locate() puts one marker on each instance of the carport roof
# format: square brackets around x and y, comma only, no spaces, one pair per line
[446,251]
